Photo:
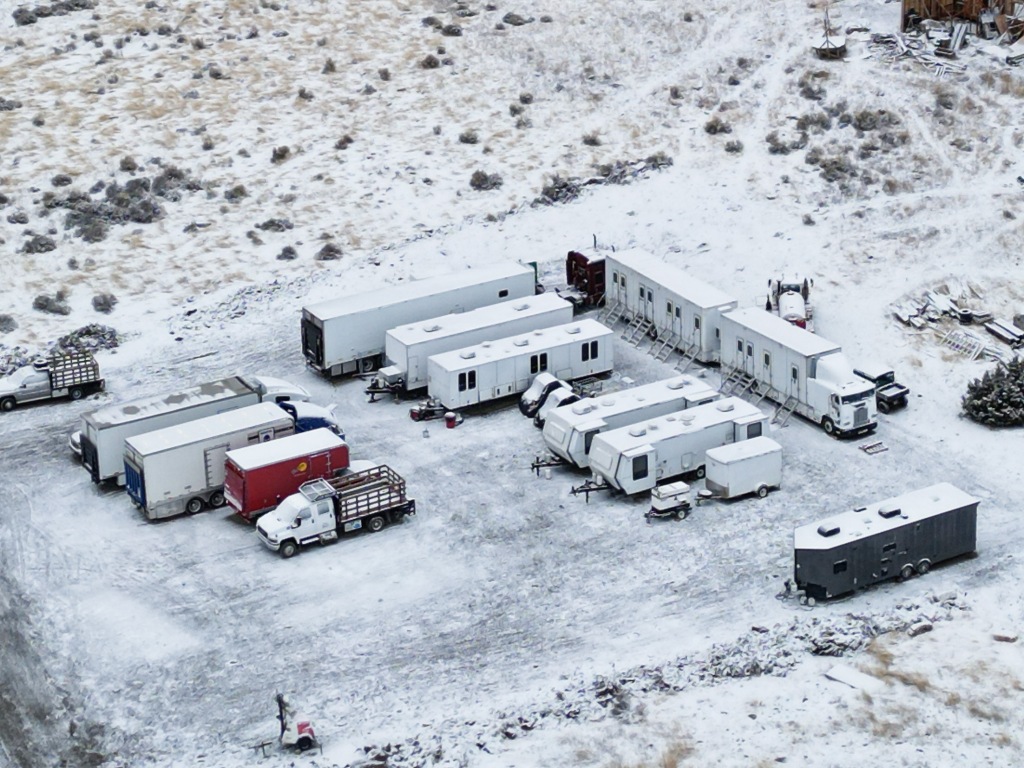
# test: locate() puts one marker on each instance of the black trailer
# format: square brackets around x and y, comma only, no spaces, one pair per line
[897,537]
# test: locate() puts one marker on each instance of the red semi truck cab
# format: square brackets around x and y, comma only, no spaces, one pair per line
[258,477]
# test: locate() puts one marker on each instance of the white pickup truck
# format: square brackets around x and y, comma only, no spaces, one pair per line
[72,375]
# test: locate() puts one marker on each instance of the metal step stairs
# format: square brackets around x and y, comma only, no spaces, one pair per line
[737,382]
[612,313]
[784,411]
[688,356]
[636,331]
[662,348]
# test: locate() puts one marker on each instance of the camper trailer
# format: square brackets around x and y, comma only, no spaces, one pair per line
[636,458]
[407,347]
[570,429]
[666,303]
[801,371]
[495,369]
[900,536]
[346,335]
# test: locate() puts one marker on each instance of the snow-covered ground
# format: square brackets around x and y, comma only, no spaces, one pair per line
[508,623]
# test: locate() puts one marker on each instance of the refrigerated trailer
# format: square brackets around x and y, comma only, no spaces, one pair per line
[258,477]
[346,335]
[665,302]
[101,439]
[800,370]
[407,347]
[569,430]
[900,536]
[495,369]
[181,468]
[636,458]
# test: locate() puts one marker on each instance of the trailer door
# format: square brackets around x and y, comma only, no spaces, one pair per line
[215,458]
[646,305]
[748,359]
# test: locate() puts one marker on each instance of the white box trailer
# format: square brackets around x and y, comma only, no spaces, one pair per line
[800,370]
[346,335]
[407,347]
[101,440]
[503,367]
[682,309]
[569,430]
[636,458]
[181,468]
[749,466]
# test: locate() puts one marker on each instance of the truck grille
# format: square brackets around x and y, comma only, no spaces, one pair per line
[860,416]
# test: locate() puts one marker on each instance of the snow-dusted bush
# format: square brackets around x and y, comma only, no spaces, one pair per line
[997,398]
[104,302]
[481,181]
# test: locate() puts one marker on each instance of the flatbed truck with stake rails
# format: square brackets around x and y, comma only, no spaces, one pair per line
[72,375]
[324,509]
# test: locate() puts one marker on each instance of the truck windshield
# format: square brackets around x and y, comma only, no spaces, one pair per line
[847,399]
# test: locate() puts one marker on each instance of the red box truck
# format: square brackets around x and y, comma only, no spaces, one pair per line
[258,477]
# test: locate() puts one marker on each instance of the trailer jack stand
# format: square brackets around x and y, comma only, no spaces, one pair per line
[551,461]
[588,488]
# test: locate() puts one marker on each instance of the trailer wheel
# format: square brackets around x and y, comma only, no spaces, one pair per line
[375,523]
[924,566]
[304,743]
[76,393]
[762,491]
[700,472]
[883,406]
[289,548]
[906,572]
[216,499]
[828,425]
[7,404]
[194,505]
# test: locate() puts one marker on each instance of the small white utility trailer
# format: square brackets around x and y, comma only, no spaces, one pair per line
[749,466]
[408,346]
[658,299]
[346,335]
[495,369]
[570,429]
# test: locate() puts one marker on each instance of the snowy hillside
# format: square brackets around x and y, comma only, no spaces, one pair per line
[192,175]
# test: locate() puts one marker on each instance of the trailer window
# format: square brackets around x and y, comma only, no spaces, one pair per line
[754,430]
[739,345]
[589,351]
[679,313]
[467,380]
[750,349]
[889,547]
[503,293]
[839,567]
[539,362]
[668,307]
[767,360]
[794,373]
[639,467]
[650,295]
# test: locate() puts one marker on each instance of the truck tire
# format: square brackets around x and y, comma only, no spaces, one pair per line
[762,491]
[7,404]
[304,743]
[883,407]
[924,566]
[375,524]
[194,505]
[289,548]
[216,499]
[906,572]
[829,426]
[75,393]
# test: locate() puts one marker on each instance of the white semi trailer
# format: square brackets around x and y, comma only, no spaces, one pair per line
[664,301]
[181,468]
[346,335]
[569,430]
[503,367]
[100,442]
[801,371]
[407,347]
[636,458]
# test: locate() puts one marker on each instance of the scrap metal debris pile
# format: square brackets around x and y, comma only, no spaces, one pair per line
[88,338]
[950,309]
[624,696]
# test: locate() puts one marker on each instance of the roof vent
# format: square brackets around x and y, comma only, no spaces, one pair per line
[826,529]
[581,408]
[521,307]
[608,402]
[521,342]
[888,512]
[687,418]
[725,406]
[637,431]
[572,329]
[467,354]
[432,328]
[678,383]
